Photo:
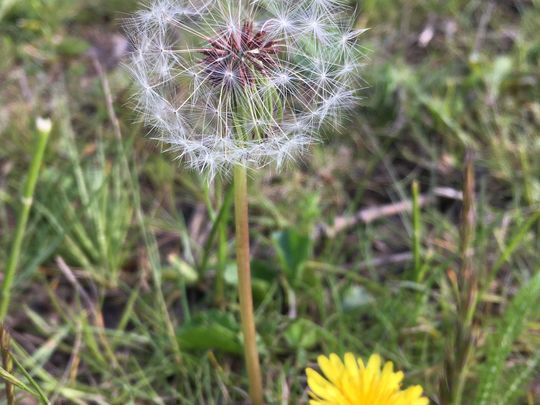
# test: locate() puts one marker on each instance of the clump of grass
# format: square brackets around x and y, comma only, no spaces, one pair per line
[465,283]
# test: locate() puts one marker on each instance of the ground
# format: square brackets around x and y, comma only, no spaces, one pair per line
[126,289]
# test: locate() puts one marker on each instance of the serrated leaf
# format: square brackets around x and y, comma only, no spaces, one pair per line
[502,341]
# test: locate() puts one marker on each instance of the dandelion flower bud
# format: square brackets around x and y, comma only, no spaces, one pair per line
[246,82]
[43,125]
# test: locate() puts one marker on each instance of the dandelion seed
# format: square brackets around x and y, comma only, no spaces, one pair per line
[243,83]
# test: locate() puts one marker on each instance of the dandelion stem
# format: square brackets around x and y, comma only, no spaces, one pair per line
[222,243]
[244,285]
[26,200]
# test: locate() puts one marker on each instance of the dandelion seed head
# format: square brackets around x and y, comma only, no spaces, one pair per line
[242,83]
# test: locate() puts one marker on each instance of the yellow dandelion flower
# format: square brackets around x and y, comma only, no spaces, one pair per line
[351,382]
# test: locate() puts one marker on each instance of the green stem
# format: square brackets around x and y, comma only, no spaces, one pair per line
[184,299]
[417,232]
[222,249]
[27,197]
[244,285]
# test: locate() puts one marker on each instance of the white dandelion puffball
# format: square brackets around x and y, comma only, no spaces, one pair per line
[243,82]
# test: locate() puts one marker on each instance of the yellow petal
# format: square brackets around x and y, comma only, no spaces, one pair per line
[320,386]
[374,362]
[413,392]
[331,369]
[352,367]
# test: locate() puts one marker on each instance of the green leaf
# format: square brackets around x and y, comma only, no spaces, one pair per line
[209,337]
[501,342]
[210,331]
[302,334]
[293,250]
[515,384]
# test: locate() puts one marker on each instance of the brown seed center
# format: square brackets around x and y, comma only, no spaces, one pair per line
[235,57]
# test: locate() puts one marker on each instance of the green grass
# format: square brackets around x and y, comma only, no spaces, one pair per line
[125,291]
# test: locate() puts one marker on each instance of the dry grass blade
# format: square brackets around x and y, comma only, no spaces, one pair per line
[7,363]
[461,344]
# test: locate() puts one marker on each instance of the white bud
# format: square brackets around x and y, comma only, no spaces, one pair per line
[44,125]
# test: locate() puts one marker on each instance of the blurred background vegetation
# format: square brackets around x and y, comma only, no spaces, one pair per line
[125,291]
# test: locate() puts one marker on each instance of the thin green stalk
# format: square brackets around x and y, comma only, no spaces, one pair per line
[44,129]
[222,248]
[244,285]
[184,299]
[417,233]
[219,220]
[35,388]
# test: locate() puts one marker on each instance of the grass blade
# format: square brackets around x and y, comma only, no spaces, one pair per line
[38,391]
[43,131]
